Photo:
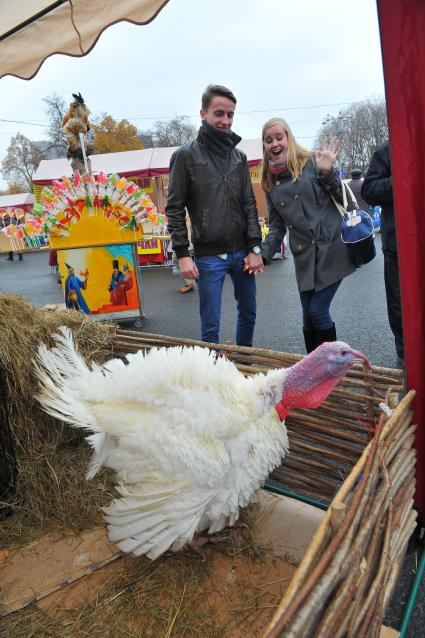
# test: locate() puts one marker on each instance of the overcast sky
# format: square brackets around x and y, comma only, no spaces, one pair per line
[295,59]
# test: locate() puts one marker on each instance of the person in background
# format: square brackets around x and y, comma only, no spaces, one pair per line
[377,189]
[298,185]
[53,261]
[189,284]
[7,220]
[355,184]
[210,178]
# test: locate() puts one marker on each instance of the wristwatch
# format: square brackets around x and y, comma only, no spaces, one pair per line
[256,250]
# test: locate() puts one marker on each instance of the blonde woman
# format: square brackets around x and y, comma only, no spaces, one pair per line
[298,186]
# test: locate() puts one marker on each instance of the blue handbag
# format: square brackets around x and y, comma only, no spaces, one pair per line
[357,230]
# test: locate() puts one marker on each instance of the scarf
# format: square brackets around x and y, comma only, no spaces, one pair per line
[220,143]
[276,169]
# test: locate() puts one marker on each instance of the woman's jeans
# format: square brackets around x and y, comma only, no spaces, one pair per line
[316,306]
[212,271]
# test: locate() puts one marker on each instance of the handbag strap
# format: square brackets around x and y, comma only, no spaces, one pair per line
[342,208]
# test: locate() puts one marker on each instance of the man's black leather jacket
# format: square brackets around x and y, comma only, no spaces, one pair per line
[218,196]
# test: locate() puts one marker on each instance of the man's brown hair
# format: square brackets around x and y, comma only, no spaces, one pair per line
[215,89]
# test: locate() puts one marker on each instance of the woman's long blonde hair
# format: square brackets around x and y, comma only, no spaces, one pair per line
[296,159]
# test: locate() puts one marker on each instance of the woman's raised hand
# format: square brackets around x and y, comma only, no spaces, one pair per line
[326,157]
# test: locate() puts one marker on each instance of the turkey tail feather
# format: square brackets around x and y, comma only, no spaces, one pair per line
[61,372]
[143,522]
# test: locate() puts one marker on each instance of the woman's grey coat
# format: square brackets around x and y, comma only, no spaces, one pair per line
[306,209]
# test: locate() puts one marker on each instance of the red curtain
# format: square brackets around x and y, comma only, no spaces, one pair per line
[402,26]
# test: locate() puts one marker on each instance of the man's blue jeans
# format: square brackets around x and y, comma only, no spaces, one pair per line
[316,315]
[212,271]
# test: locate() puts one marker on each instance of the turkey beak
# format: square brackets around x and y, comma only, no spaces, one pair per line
[361,358]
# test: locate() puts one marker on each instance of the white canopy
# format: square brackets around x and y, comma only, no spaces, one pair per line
[148,162]
[32,30]
[16,200]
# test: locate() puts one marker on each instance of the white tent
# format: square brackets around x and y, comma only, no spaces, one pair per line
[33,30]
[149,162]
[17,200]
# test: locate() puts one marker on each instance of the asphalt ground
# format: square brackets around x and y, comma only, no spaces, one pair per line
[358,309]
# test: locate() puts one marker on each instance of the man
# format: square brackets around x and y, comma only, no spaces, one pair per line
[356,184]
[210,178]
[377,189]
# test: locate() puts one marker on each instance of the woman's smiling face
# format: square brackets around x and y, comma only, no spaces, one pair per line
[276,144]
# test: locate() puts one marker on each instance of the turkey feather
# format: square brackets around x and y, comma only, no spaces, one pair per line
[190,438]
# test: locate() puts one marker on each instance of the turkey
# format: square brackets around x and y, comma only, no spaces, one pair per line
[190,438]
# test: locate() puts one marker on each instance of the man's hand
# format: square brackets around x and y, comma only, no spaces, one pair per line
[188,269]
[253,263]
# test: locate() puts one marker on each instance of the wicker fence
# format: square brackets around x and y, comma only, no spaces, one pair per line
[347,575]
[325,443]
[355,457]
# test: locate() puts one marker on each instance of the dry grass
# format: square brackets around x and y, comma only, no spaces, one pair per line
[49,488]
[167,598]
[164,598]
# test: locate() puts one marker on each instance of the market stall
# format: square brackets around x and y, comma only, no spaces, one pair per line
[13,209]
[148,168]
[23,201]
[95,225]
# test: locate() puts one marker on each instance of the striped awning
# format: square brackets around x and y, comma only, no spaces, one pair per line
[33,30]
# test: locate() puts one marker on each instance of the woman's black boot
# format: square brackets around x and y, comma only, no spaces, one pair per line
[310,340]
[325,335]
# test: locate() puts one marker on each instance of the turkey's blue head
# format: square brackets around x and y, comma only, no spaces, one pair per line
[310,381]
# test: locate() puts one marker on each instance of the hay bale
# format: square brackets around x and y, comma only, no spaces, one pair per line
[43,461]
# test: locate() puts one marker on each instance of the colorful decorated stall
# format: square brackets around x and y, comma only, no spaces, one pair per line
[148,168]
[13,210]
[95,224]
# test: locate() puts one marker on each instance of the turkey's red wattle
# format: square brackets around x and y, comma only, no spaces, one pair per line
[309,382]
[303,396]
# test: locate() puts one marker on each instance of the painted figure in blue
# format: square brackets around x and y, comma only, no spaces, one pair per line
[73,287]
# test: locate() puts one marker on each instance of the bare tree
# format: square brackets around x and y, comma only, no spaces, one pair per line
[360,127]
[21,161]
[174,132]
[146,138]
[55,109]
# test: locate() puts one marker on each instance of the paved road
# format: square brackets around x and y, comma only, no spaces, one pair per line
[358,309]
[359,312]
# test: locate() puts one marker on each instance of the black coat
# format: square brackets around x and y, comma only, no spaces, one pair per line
[218,196]
[377,190]
[356,187]
[306,208]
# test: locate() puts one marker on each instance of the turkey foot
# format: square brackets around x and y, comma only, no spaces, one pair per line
[199,541]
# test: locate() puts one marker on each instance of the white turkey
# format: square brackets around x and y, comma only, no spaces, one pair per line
[190,438]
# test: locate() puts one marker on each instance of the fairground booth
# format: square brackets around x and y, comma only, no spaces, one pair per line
[149,169]
[13,208]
